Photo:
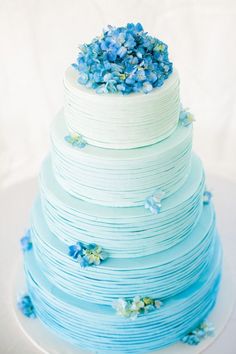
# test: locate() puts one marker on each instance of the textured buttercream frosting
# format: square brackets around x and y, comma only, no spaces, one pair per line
[121,177]
[121,122]
[95,327]
[123,232]
[163,275]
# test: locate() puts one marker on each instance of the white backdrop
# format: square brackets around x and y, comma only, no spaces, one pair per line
[39,39]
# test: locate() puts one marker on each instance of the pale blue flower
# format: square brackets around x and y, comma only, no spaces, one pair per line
[26,306]
[149,308]
[76,140]
[191,339]
[147,87]
[130,42]
[151,76]
[121,38]
[91,254]
[121,87]
[122,51]
[137,304]
[102,89]
[186,118]
[132,308]
[26,243]
[76,250]
[202,331]
[119,52]
[83,78]
[112,54]
[111,86]
[158,304]
[153,202]
[95,254]
[130,80]
[207,195]
[84,262]
[140,75]
[122,307]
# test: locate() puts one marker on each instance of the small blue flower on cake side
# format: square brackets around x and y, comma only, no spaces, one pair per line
[75,251]
[76,140]
[26,243]
[136,306]
[207,195]
[124,59]
[91,254]
[153,202]
[26,306]
[186,118]
[202,331]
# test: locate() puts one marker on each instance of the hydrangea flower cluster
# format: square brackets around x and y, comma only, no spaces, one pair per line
[124,59]
[202,331]
[132,308]
[76,140]
[207,195]
[26,306]
[153,202]
[186,118]
[26,243]
[87,255]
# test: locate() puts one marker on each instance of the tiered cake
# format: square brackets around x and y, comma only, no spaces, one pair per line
[123,254]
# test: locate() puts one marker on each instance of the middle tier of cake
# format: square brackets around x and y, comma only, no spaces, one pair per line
[123,232]
[120,178]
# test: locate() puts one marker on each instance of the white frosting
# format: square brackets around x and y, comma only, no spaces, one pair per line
[121,121]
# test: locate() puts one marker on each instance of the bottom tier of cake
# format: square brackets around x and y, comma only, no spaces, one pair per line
[98,329]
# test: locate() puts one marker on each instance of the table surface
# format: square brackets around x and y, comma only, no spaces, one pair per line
[15,204]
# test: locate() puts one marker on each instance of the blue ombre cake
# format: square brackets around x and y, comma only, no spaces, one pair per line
[123,254]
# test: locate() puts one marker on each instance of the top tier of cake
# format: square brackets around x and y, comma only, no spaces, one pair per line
[122,92]
[121,121]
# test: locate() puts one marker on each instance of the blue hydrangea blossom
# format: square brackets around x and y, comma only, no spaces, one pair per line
[26,306]
[91,254]
[153,202]
[202,331]
[132,308]
[124,59]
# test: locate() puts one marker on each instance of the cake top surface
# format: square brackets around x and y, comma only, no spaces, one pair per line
[123,60]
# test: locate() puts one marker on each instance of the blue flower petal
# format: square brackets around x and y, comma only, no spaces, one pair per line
[186,118]
[75,140]
[83,78]
[25,305]
[84,262]
[147,87]
[207,195]
[26,243]
[121,52]
[91,246]
[153,202]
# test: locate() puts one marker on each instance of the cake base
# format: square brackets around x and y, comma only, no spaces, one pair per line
[49,343]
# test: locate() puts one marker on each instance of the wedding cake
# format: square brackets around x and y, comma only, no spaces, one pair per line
[123,254]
